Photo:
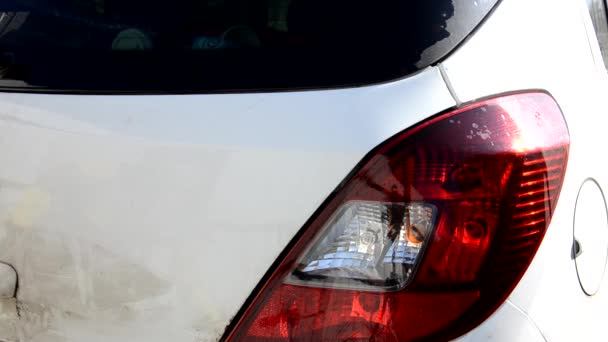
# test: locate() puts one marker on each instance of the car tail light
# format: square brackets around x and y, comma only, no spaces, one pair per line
[427,237]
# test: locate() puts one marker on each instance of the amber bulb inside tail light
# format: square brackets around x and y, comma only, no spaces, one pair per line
[428,235]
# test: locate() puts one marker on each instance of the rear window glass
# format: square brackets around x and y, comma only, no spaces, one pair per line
[177,46]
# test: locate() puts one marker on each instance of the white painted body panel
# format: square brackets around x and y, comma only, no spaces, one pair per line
[509,323]
[152,218]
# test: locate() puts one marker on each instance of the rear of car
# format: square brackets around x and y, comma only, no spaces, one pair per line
[281,170]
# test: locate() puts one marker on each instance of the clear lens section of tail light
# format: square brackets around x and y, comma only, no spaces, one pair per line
[427,236]
[368,245]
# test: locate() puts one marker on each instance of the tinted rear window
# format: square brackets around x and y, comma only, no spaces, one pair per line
[188,46]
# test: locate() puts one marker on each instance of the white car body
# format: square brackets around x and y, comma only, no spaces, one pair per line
[153,218]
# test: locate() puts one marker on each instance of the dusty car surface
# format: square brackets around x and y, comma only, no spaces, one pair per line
[302,170]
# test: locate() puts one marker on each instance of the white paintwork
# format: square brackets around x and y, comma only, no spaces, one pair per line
[509,323]
[152,218]
[548,44]
[8,281]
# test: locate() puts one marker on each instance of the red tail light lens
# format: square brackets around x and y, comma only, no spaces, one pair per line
[428,236]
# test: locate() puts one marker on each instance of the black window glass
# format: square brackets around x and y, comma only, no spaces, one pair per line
[142,46]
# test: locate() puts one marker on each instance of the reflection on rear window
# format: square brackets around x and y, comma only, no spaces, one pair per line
[220,45]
